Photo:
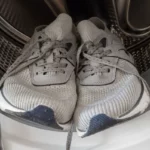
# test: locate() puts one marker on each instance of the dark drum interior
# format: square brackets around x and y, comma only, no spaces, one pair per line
[128,19]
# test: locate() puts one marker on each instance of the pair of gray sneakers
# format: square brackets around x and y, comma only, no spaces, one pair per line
[54,81]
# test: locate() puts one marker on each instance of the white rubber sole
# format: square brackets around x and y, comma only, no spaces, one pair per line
[131,135]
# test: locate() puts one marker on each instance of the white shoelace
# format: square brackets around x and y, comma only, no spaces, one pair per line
[23,61]
[96,51]
[69,137]
[90,56]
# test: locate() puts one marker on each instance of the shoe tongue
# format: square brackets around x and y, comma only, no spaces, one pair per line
[59,28]
[88,31]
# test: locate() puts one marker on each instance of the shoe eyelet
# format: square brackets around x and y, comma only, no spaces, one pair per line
[39,37]
[44,73]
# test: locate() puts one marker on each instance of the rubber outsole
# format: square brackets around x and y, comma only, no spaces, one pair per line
[131,135]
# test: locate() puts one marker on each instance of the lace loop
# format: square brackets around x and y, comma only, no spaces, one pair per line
[89,53]
[89,58]
[47,47]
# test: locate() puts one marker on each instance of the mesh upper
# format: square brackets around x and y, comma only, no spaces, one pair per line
[113,99]
[20,92]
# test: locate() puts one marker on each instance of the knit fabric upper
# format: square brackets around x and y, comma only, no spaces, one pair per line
[103,89]
[49,81]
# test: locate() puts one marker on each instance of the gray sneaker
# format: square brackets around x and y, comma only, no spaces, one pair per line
[40,85]
[109,86]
